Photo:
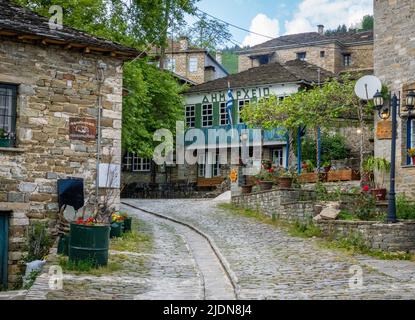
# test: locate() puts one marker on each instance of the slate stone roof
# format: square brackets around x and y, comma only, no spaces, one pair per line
[294,71]
[310,38]
[21,21]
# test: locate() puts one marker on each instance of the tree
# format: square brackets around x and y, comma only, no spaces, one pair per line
[368,23]
[208,33]
[318,107]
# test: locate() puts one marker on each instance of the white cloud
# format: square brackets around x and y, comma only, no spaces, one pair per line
[263,25]
[330,13]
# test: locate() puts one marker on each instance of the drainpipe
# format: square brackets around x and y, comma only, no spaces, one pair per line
[101,79]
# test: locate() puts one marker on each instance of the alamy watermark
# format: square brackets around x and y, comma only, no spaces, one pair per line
[210,146]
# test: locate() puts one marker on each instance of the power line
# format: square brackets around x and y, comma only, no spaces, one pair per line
[271,38]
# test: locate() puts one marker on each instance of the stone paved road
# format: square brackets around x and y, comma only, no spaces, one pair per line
[270,264]
[166,270]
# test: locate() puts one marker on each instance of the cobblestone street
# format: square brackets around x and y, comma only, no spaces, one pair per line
[267,263]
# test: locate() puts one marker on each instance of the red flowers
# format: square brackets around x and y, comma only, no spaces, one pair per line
[366,188]
[87,222]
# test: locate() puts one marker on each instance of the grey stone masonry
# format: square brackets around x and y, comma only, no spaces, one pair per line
[376,235]
[289,204]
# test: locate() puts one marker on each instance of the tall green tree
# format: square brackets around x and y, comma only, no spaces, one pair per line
[153,99]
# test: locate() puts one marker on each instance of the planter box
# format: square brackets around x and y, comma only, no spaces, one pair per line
[343,175]
[308,177]
[89,243]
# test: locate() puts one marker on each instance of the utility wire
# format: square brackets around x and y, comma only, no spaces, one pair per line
[271,38]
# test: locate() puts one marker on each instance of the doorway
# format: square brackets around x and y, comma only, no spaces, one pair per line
[4,251]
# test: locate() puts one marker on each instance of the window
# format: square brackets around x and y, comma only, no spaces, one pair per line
[301,56]
[190,116]
[207,115]
[223,114]
[193,64]
[263,60]
[347,60]
[8,96]
[206,170]
[278,157]
[170,64]
[322,54]
[136,164]
[241,105]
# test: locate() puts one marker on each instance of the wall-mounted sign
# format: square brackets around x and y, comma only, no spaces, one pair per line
[109,176]
[384,130]
[82,129]
[233,175]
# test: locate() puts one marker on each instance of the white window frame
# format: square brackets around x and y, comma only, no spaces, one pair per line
[193,64]
[128,162]
[170,64]
[140,164]
[203,163]
[278,156]
[223,114]
[302,53]
[241,105]
[207,115]
[347,59]
[190,114]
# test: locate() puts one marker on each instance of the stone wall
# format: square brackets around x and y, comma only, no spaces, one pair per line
[289,205]
[377,236]
[182,65]
[53,85]
[362,57]
[395,66]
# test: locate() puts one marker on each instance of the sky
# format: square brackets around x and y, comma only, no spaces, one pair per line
[274,18]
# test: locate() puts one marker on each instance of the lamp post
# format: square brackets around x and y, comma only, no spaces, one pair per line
[385,113]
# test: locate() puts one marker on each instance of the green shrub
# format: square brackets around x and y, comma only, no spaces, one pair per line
[405,208]
[38,242]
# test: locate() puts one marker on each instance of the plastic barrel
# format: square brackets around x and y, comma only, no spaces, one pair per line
[89,243]
[116,230]
[128,224]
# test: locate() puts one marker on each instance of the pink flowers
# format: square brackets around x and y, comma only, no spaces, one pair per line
[366,189]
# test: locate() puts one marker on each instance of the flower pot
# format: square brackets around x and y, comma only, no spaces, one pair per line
[89,243]
[246,189]
[379,194]
[265,185]
[285,182]
[128,224]
[116,229]
[309,177]
[5,143]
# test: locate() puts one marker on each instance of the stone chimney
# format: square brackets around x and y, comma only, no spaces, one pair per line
[184,43]
[321,29]
[219,56]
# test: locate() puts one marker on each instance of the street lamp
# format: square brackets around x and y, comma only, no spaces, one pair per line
[384,114]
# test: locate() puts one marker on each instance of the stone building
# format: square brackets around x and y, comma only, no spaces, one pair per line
[194,64]
[51,80]
[394,56]
[336,53]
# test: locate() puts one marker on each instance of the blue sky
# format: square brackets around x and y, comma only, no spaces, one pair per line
[279,17]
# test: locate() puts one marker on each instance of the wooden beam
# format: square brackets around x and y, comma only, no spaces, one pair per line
[7,33]
[29,37]
[87,50]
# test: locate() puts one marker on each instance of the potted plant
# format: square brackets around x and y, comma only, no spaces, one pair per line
[127,222]
[117,225]
[326,165]
[89,241]
[285,180]
[382,166]
[266,178]
[411,153]
[5,140]
[247,189]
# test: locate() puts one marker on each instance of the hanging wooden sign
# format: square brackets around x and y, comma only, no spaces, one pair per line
[384,130]
[82,129]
